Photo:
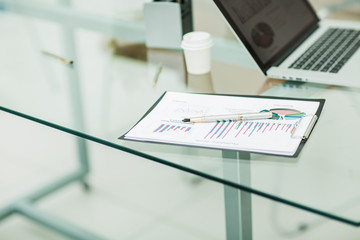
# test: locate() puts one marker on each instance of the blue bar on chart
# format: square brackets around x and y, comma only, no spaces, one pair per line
[235,129]
[169,128]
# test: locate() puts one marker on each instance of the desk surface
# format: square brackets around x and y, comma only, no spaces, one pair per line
[109,87]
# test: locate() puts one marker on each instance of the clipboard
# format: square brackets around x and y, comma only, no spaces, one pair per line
[162,123]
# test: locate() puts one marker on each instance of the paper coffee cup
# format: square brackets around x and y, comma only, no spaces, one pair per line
[197,51]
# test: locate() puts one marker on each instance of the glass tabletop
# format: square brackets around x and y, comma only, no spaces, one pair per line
[109,87]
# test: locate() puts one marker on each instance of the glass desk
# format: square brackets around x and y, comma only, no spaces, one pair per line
[108,88]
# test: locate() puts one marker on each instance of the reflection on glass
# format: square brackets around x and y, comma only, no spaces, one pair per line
[200,83]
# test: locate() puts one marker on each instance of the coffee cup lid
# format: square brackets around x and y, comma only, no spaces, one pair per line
[196,40]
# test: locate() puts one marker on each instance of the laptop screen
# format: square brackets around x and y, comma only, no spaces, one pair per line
[268,28]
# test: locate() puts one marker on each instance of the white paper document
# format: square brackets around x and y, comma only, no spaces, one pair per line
[280,136]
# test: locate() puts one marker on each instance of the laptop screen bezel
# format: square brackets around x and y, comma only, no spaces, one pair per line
[285,51]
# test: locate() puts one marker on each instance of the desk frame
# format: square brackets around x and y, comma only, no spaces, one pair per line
[25,206]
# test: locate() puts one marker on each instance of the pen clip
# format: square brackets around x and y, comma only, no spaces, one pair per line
[310,128]
[307,132]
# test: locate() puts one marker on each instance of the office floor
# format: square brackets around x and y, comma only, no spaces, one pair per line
[131,198]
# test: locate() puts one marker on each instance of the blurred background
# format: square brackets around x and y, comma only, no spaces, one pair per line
[130,197]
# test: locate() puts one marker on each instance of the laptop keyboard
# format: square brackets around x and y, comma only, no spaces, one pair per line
[330,52]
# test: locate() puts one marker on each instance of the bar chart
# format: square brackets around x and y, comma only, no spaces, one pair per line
[171,128]
[236,129]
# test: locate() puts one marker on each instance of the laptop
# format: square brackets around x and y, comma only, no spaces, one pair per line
[287,40]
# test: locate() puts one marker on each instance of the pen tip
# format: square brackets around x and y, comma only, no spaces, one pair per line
[186,120]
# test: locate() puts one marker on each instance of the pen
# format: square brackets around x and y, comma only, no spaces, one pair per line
[228,117]
[66,61]
[157,74]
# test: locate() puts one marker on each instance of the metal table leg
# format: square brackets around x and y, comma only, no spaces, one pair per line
[238,215]
[25,206]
